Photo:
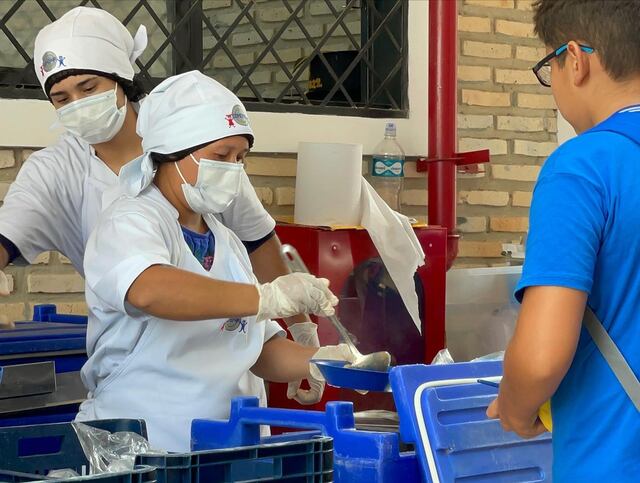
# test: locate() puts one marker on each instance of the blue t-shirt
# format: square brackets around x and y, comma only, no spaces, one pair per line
[585,234]
[202,245]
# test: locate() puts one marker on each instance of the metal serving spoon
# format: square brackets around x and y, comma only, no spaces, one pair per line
[377,361]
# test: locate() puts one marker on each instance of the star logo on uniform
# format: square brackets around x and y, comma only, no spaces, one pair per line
[230,121]
[231,325]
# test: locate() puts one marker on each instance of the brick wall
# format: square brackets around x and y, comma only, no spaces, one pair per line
[500,107]
[51,279]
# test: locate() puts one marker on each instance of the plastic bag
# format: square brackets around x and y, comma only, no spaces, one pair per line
[62,474]
[442,357]
[494,356]
[110,452]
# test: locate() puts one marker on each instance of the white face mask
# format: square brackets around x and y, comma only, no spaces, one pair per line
[95,119]
[218,184]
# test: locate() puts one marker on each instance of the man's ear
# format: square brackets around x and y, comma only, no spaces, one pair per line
[579,62]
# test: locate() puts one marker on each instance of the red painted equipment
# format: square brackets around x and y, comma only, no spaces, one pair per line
[368,308]
[344,256]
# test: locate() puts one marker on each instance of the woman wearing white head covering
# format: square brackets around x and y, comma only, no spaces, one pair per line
[178,324]
[85,64]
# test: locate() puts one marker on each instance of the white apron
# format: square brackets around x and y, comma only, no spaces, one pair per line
[180,371]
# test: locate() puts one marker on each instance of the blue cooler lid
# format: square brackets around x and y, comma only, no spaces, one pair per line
[442,411]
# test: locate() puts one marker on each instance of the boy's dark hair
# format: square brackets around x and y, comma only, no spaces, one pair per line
[611,27]
[133,89]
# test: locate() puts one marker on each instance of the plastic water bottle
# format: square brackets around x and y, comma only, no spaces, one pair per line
[387,168]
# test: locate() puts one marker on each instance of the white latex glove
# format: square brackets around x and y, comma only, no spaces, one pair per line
[293,294]
[340,352]
[305,333]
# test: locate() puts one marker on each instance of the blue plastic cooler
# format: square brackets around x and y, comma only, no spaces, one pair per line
[442,411]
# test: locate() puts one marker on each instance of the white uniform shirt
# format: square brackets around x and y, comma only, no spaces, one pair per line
[165,372]
[56,199]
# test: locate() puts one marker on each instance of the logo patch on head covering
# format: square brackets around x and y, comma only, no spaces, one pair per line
[239,115]
[49,61]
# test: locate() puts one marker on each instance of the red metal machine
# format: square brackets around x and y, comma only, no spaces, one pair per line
[373,313]
[369,308]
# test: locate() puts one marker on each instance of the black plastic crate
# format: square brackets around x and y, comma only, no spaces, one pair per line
[139,475]
[308,461]
[28,453]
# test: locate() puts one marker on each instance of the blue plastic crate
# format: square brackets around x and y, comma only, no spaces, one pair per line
[28,453]
[53,337]
[44,341]
[60,414]
[442,410]
[359,456]
[49,313]
[39,340]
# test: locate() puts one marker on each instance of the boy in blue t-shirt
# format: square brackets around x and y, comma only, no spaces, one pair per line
[583,248]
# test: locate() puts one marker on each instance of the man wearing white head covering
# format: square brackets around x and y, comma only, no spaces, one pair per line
[177,329]
[84,62]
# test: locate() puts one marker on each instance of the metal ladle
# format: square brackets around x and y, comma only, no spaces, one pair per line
[377,361]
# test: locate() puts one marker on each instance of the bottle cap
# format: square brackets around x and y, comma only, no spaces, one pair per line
[390,129]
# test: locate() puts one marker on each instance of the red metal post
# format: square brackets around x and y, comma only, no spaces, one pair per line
[443,107]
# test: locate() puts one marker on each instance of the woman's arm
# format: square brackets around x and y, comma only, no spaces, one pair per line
[268,264]
[283,360]
[171,293]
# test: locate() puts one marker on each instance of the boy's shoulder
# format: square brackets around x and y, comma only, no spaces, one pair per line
[591,153]
[621,130]
[591,143]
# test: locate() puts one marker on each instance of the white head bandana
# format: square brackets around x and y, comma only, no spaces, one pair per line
[87,39]
[182,112]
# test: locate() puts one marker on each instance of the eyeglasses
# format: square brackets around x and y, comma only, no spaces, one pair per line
[542,69]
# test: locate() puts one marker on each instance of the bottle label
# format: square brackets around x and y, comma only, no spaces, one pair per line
[387,167]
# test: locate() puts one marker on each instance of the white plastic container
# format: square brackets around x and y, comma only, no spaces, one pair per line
[481,311]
